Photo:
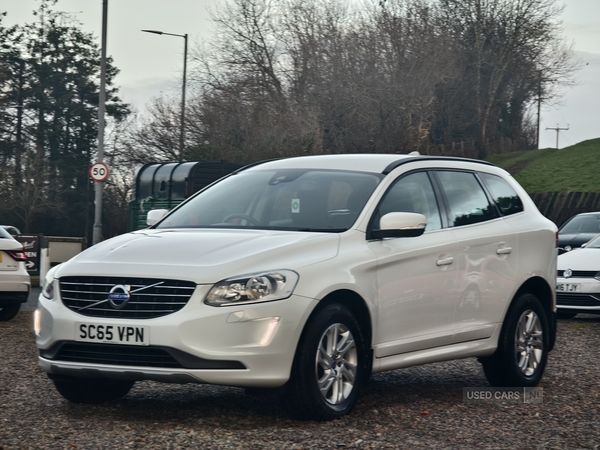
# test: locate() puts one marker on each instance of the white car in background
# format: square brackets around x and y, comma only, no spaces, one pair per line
[578,281]
[13,231]
[304,276]
[14,279]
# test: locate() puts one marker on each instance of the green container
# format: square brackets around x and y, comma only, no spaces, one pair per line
[166,185]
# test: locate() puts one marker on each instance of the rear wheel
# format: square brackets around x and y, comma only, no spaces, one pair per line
[522,351]
[328,367]
[91,390]
[8,312]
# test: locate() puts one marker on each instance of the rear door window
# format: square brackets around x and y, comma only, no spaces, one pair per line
[467,201]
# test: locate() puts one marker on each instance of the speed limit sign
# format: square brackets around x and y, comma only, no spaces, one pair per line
[99,172]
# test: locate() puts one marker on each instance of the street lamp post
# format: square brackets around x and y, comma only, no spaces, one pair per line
[181,132]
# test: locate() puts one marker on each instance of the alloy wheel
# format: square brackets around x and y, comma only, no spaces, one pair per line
[529,343]
[336,364]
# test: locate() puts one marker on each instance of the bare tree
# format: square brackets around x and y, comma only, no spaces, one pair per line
[295,77]
[506,48]
[36,195]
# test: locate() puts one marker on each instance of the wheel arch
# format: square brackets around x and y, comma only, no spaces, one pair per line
[358,306]
[539,287]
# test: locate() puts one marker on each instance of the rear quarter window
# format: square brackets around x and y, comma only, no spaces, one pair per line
[505,197]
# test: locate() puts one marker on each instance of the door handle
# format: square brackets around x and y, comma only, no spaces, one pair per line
[504,251]
[445,261]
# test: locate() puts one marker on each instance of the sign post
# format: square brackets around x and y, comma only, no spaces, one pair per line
[31,247]
[98,186]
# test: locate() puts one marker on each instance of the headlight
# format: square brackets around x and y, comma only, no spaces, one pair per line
[260,287]
[48,286]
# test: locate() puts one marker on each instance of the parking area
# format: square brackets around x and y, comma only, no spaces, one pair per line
[410,408]
[32,299]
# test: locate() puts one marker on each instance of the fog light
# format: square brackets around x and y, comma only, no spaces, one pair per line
[37,322]
[270,331]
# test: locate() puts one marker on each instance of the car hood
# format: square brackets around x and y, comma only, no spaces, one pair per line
[579,259]
[204,256]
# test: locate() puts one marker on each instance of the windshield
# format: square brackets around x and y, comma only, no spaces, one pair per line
[301,200]
[582,224]
[594,243]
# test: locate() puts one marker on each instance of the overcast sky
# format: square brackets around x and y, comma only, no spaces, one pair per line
[152,64]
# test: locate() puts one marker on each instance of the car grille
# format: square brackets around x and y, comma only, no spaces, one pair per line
[577,300]
[580,273]
[121,355]
[149,297]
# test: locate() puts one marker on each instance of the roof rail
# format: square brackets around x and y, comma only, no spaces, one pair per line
[402,161]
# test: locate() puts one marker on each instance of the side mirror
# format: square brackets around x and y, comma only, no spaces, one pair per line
[155,215]
[401,224]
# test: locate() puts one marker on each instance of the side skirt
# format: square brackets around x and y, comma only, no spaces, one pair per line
[468,349]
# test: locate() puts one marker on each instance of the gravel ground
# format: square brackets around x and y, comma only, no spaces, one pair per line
[409,408]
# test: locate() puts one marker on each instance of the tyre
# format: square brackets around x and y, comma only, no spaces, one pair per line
[91,390]
[8,312]
[522,351]
[328,367]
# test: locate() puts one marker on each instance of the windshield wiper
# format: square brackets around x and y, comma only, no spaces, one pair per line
[318,230]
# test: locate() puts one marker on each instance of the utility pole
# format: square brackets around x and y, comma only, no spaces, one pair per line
[539,108]
[558,129]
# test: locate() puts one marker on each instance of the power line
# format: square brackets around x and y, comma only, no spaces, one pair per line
[558,129]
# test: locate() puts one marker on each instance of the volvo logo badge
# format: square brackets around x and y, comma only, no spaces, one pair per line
[119,296]
[568,273]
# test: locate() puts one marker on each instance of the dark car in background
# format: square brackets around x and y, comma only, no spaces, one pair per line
[578,230]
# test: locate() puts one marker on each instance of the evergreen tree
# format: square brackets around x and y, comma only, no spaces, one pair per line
[51,71]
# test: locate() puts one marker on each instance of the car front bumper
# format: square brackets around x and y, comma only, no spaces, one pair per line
[584,298]
[246,346]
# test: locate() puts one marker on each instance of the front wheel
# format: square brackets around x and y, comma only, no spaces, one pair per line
[91,390]
[522,351]
[328,367]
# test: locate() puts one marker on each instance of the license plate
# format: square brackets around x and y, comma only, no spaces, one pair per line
[112,334]
[568,287]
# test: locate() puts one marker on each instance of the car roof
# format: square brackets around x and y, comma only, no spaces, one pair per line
[590,213]
[10,228]
[376,163]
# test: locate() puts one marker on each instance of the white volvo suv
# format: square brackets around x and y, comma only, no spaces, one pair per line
[306,275]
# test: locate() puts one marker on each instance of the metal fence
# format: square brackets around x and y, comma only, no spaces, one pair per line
[560,206]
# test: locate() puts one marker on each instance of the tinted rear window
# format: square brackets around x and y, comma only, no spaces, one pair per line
[504,195]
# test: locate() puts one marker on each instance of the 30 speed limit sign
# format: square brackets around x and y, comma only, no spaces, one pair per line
[99,172]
